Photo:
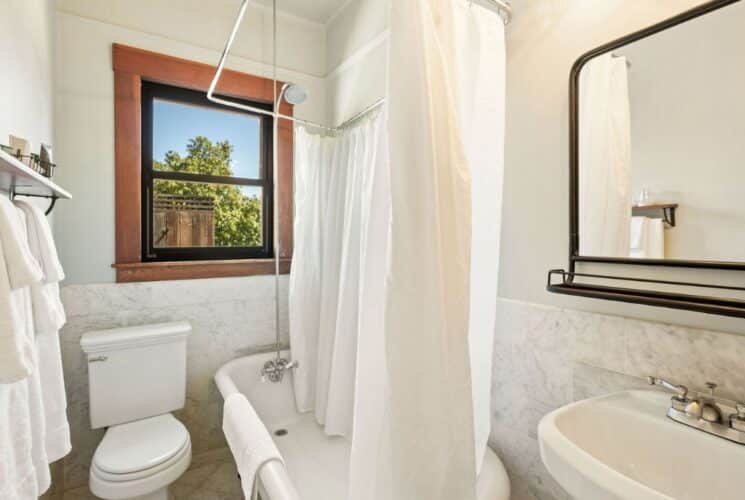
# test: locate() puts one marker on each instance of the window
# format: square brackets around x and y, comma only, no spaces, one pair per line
[210,215]
[206,178]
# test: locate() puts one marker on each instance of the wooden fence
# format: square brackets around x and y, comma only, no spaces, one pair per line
[183,221]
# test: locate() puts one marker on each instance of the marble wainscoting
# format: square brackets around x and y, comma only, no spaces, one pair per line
[230,318]
[545,358]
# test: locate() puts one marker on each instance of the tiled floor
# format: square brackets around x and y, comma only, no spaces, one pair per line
[205,480]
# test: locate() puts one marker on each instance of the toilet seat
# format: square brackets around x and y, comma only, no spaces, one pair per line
[142,474]
[140,457]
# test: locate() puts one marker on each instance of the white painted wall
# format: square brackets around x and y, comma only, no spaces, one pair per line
[687,131]
[543,41]
[85,102]
[27,80]
[357,56]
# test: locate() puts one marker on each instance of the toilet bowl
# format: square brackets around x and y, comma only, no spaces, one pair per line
[137,377]
[139,460]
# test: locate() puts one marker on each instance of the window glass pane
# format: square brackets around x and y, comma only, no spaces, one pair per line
[203,140]
[197,214]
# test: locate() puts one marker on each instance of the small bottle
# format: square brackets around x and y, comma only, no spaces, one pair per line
[643,198]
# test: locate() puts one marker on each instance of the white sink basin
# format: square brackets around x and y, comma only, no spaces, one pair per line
[623,446]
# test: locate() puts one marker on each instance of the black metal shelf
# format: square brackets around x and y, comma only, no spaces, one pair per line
[18,179]
[698,303]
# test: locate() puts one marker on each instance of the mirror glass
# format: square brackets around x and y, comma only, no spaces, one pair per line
[661,171]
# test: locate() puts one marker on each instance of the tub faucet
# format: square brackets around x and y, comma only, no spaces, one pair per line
[274,369]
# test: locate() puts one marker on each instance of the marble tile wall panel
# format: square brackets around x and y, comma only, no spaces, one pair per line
[546,357]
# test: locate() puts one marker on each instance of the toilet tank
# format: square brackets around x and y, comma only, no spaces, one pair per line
[135,372]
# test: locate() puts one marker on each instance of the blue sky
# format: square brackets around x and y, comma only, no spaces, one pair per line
[174,124]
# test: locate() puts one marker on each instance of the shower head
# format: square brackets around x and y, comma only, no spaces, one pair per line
[295,94]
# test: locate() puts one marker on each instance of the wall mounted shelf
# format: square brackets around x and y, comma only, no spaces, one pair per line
[668,211]
[568,285]
[18,179]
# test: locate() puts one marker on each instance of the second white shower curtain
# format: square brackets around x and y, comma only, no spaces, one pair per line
[605,158]
[333,201]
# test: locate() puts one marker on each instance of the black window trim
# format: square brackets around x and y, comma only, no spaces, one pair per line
[149,92]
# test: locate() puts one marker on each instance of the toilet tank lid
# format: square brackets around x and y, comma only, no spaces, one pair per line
[133,336]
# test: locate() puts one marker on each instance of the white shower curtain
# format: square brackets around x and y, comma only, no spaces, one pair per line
[333,183]
[604,158]
[481,82]
[392,238]
[415,407]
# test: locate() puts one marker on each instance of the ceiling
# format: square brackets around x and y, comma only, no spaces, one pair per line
[318,11]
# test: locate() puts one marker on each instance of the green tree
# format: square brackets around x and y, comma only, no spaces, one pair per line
[237,217]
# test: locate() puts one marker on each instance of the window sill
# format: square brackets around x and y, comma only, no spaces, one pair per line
[136,272]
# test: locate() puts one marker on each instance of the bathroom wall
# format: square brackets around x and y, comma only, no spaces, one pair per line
[27,84]
[543,41]
[356,58]
[550,349]
[546,357]
[230,318]
[26,88]
[85,97]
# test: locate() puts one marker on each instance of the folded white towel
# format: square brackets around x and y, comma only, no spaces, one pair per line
[18,270]
[249,441]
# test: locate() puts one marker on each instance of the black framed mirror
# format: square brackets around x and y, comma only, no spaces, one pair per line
[657,159]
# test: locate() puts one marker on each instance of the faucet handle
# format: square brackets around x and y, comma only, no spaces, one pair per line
[681,391]
[737,420]
[680,400]
[712,387]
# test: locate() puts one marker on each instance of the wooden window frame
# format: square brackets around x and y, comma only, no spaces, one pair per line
[131,67]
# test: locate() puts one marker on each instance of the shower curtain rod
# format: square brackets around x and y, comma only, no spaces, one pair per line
[503,7]
[275,112]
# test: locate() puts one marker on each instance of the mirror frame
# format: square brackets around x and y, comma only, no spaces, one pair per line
[574,230]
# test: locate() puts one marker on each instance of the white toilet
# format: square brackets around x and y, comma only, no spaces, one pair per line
[137,376]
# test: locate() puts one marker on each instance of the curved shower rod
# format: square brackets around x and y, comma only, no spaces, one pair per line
[275,111]
[502,6]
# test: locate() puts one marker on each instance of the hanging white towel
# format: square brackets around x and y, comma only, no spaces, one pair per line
[35,393]
[656,239]
[22,271]
[248,439]
[19,271]
[48,258]
[49,313]
[647,238]
[49,317]
[17,471]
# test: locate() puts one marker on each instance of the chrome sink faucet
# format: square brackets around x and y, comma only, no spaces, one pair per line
[704,412]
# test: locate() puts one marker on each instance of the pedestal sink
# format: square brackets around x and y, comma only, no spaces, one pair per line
[623,446]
